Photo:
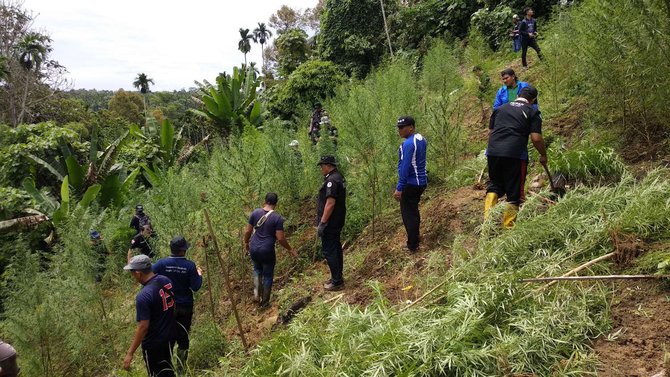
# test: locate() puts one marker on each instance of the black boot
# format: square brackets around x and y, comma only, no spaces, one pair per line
[265,301]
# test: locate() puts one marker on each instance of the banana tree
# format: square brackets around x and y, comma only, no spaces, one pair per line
[172,150]
[100,169]
[231,103]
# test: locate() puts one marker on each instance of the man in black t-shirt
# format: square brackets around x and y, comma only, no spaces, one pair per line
[528,32]
[510,127]
[140,219]
[141,241]
[331,212]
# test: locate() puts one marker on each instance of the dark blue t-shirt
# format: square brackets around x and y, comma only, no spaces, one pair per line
[264,237]
[155,303]
[184,276]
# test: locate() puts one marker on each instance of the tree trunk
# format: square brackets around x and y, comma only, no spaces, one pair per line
[386,27]
[19,118]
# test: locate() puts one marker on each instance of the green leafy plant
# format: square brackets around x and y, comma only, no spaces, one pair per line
[231,103]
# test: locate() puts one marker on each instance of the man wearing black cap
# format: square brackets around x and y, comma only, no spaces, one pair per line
[510,126]
[8,365]
[155,319]
[412,178]
[140,219]
[186,278]
[331,211]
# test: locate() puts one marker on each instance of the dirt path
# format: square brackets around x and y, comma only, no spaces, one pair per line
[639,343]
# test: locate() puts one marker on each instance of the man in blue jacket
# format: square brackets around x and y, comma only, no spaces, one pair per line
[510,89]
[412,178]
[186,278]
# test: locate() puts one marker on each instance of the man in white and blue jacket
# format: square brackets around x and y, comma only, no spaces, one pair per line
[412,179]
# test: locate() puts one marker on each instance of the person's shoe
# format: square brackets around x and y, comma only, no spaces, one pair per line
[333,287]
[408,250]
[509,215]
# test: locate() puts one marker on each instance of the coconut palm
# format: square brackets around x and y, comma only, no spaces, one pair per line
[33,50]
[244,44]
[142,83]
[262,34]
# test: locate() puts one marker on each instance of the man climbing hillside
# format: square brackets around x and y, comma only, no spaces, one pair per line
[141,241]
[412,179]
[510,89]
[528,31]
[507,152]
[154,306]
[314,131]
[186,278]
[265,227]
[514,34]
[331,212]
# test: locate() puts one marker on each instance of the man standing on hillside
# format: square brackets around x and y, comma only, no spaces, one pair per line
[140,219]
[315,123]
[412,178]
[331,212]
[186,278]
[528,31]
[510,89]
[507,152]
[154,306]
[267,227]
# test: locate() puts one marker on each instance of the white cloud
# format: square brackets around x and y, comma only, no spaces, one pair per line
[105,44]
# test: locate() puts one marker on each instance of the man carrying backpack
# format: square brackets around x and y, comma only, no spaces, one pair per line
[140,219]
[186,278]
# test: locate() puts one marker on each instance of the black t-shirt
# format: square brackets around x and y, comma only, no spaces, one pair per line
[139,242]
[510,126]
[334,186]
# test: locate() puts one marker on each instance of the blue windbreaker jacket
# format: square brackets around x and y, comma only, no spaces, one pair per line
[412,162]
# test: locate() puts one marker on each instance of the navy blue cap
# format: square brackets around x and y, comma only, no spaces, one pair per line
[330,160]
[178,243]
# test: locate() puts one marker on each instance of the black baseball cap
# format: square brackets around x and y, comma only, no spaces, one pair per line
[330,160]
[528,92]
[405,120]
[139,208]
[178,243]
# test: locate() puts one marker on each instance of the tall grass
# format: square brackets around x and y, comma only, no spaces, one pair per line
[486,322]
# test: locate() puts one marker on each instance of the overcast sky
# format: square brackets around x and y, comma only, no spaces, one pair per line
[105,44]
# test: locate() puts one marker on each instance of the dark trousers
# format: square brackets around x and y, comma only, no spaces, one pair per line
[264,265]
[409,208]
[507,176]
[183,315]
[332,251]
[158,360]
[525,43]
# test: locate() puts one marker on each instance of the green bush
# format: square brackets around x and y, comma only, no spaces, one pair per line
[208,344]
[495,24]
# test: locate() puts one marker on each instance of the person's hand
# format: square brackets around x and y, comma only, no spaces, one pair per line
[246,247]
[321,229]
[397,195]
[199,271]
[127,361]
[543,160]
[293,253]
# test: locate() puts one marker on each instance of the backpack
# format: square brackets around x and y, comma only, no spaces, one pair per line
[144,220]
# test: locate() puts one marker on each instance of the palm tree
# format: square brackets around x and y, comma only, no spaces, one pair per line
[32,51]
[262,34]
[142,83]
[244,45]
